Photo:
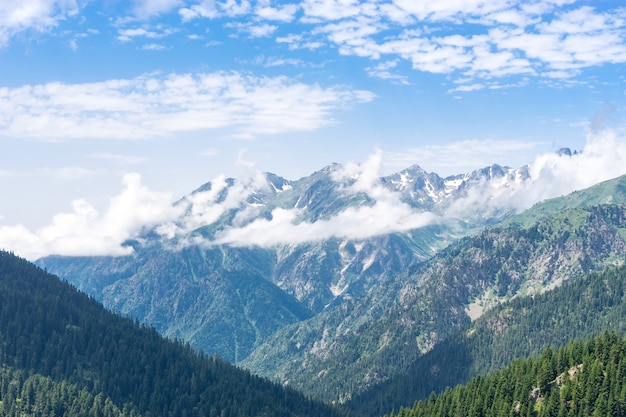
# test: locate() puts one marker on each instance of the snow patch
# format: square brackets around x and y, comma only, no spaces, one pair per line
[285,187]
[369,262]
[337,290]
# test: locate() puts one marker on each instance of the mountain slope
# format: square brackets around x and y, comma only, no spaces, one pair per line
[229,298]
[582,379]
[36,395]
[48,328]
[523,327]
[217,299]
[607,192]
[371,339]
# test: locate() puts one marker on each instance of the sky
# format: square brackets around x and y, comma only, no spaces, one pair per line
[111,110]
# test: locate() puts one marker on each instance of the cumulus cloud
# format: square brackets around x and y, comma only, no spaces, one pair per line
[212,9]
[85,231]
[254,30]
[147,8]
[384,71]
[282,13]
[137,209]
[36,15]
[551,175]
[155,106]
[126,35]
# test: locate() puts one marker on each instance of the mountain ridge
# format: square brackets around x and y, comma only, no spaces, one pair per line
[316,274]
[305,281]
[436,299]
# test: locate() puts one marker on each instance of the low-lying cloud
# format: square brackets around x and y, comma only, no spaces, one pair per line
[84,231]
[388,214]
[553,175]
[137,209]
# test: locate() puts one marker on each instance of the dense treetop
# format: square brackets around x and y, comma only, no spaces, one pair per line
[49,329]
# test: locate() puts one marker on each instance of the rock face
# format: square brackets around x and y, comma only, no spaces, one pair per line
[374,337]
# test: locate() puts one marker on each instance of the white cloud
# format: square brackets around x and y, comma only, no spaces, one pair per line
[353,223]
[234,7]
[475,39]
[284,13]
[154,106]
[383,70]
[153,47]
[148,8]
[213,9]
[205,9]
[254,30]
[549,39]
[84,231]
[332,9]
[37,15]
[126,35]
[552,175]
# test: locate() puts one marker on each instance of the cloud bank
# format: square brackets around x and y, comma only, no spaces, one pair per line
[155,106]
[137,209]
[84,231]
[388,214]
[477,43]
[552,175]
[547,39]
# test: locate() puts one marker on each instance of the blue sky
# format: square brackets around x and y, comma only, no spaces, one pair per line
[180,92]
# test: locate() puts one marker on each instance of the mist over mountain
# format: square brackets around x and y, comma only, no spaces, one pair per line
[323,281]
[244,259]
[379,204]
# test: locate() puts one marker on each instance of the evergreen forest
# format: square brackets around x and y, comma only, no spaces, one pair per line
[63,354]
[522,327]
[582,379]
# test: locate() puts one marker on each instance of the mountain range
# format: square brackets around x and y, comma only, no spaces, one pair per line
[228,298]
[273,275]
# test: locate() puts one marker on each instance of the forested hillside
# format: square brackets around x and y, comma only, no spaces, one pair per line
[582,379]
[36,395]
[523,327]
[49,329]
[345,350]
[228,299]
